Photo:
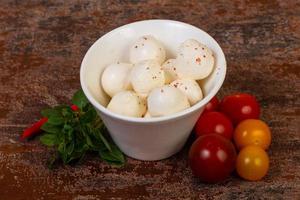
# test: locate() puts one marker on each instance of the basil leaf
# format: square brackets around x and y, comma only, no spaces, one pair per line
[67,113]
[61,147]
[62,152]
[49,139]
[79,151]
[115,156]
[88,117]
[55,120]
[70,148]
[68,131]
[82,148]
[105,142]
[51,112]
[75,156]
[47,127]
[79,99]
[67,128]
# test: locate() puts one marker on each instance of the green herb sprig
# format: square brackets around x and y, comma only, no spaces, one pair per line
[74,133]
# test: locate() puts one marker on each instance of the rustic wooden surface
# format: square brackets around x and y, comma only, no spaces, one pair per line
[42,44]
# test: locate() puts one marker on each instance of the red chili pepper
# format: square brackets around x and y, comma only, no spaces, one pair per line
[35,129]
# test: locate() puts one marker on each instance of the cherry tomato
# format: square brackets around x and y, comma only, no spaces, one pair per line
[239,107]
[212,158]
[252,132]
[214,122]
[252,163]
[212,105]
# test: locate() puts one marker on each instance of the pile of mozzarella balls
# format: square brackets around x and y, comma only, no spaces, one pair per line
[150,85]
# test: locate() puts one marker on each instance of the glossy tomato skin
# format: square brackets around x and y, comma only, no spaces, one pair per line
[252,163]
[252,132]
[214,122]
[212,158]
[239,107]
[212,105]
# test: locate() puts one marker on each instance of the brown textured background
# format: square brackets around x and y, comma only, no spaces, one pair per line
[41,47]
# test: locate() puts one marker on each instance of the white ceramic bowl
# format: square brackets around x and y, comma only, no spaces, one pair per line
[148,138]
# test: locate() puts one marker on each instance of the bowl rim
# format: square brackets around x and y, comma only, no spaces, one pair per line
[174,116]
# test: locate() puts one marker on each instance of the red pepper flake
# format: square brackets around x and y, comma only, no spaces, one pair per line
[174,68]
[145,38]
[196,48]
[136,47]
[147,68]
[185,88]
[202,48]
[204,56]
[198,60]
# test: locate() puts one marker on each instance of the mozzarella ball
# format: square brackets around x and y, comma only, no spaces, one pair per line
[115,78]
[127,103]
[170,67]
[190,88]
[166,100]
[195,60]
[147,48]
[145,76]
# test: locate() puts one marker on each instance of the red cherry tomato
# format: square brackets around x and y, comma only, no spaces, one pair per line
[214,122]
[212,105]
[239,107]
[212,158]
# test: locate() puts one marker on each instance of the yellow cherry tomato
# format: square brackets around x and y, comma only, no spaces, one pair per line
[252,163]
[252,132]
